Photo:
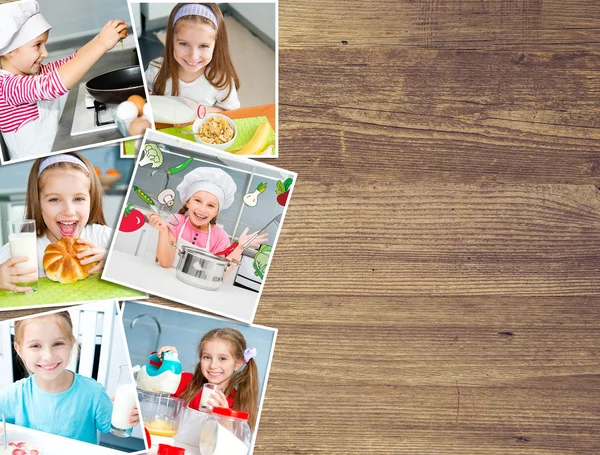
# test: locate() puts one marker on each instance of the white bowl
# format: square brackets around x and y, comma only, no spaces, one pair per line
[200,121]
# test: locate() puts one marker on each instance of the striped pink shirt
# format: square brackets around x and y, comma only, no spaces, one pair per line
[19,94]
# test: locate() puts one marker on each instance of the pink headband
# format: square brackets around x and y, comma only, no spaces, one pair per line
[194,9]
[52,159]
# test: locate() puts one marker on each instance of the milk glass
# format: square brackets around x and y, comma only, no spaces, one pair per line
[123,404]
[22,240]
[208,390]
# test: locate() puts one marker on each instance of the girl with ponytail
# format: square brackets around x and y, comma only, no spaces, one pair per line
[227,362]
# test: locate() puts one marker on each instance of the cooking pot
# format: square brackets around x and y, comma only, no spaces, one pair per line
[201,268]
[116,86]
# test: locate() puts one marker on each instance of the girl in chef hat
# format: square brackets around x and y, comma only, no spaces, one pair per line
[196,63]
[64,197]
[226,361]
[29,90]
[52,398]
[205,192]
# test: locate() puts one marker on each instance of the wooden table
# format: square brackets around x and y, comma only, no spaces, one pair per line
[266,110]
[436,282]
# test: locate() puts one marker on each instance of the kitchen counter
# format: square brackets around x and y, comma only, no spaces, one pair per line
[110,61]
[51,444]
[140,273]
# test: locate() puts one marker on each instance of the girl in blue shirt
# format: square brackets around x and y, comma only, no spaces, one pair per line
[53,399]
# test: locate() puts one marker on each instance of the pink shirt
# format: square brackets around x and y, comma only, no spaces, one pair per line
[19,94]
[219,240]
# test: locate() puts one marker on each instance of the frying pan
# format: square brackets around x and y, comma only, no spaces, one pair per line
[116,86]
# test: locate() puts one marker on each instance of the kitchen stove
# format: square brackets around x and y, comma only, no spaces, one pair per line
[90,116]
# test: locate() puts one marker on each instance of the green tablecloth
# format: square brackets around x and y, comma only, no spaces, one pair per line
[53,293]
[246,128]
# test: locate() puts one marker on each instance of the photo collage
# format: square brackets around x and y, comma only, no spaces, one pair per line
[140,207]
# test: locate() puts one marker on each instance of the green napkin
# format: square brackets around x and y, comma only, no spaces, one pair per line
[53,293]
[246,128]
[129,148]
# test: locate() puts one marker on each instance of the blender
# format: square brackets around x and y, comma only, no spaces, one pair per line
[156,382]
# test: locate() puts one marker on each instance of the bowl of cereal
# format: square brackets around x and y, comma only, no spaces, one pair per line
[216,130]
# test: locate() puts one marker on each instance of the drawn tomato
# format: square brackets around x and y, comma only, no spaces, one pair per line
[132,219]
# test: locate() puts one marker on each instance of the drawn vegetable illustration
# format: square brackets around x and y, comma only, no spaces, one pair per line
[251,199]
[152,155]
[180,167]
[167,197]
[132,219]
[283,191]
[143,196]
[261,259]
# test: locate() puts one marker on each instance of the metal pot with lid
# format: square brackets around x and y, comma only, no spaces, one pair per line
[201,268]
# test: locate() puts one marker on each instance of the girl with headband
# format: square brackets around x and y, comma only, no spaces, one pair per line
[196,64]
[64,197]
[226,361]
[30,90]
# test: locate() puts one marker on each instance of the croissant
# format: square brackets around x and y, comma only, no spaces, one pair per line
[61,263]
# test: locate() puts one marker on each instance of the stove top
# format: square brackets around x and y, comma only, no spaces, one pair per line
[91,116]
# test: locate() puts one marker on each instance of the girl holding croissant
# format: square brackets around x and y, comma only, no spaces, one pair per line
[64,197]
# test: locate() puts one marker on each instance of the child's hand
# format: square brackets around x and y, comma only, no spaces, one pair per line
[110,35]
[244,237]
[10,275]
[157,222]
[163,349]
[218,399]
[134,417]
[93,254]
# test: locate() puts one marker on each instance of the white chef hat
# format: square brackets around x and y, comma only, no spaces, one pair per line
[211,179]
[20,22]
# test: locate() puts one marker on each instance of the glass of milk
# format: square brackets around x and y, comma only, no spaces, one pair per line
[123,404]
[207,392]
[22,240]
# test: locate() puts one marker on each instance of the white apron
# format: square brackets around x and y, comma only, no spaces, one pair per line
[35,138]
[181,243]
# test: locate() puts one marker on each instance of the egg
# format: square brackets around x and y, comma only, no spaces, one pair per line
[147,111]
[139,102]
[127,111]
[138,126]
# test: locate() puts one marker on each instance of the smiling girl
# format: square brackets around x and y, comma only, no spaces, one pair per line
[222,354]
[64,197]
[196,63]
[206,191]
[53,399]
[29,89]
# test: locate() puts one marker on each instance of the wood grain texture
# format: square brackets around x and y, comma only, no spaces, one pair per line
[436,281]
[441,24]
[444,116]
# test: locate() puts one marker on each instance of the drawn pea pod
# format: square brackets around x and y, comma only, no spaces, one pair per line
[143,196]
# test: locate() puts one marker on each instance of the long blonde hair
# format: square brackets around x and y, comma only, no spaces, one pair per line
[219,71]
[244,381]
[33,208]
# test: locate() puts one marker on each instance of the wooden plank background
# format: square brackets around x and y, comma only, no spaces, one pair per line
[436,282]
